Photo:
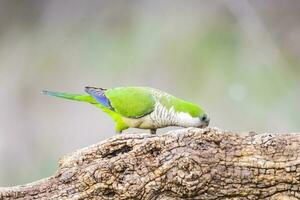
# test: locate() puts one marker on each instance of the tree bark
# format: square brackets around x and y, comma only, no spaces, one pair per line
[183,164]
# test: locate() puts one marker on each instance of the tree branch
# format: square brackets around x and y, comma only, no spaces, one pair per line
[184,164]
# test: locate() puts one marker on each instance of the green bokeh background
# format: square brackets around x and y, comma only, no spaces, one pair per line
[238,59]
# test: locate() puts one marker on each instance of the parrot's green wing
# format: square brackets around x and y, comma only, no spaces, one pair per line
[132,102]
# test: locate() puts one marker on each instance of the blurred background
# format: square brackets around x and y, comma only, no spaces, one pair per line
[238,59]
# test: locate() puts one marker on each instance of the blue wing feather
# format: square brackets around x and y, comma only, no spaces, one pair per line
[99,96]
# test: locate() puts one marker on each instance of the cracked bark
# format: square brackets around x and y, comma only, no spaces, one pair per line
[184,164]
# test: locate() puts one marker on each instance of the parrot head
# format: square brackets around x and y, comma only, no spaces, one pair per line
[185,119]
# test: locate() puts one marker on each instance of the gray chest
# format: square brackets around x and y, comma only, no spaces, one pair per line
[162,117]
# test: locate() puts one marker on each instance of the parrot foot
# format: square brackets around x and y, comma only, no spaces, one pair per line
[153,131]
[118,132]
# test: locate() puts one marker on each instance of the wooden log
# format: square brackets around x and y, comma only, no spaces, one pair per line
[182,164]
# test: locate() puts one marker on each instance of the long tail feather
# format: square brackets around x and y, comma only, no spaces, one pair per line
[75,97]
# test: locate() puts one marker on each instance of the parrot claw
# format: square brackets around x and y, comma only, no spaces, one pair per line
[153,131]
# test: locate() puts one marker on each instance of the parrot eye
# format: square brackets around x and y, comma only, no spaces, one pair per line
[205,119]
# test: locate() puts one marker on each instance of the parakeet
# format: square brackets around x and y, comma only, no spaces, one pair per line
[141,107]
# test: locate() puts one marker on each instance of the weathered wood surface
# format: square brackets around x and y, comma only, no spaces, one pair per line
[183,164]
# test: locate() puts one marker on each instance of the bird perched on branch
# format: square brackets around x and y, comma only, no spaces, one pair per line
[141,107]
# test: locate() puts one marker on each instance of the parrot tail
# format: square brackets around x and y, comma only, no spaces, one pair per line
[75,97]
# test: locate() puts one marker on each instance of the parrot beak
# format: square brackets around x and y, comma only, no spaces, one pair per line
[204,121]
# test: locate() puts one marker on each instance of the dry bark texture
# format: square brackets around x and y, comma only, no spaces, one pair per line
[184,164]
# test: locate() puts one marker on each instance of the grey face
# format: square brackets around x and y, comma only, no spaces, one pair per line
[204,121]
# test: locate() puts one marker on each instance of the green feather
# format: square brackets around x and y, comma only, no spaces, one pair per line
[120,124]
[181,105]
[75,97]
[132,102]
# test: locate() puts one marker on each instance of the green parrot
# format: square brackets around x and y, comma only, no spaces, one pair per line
[141,107]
